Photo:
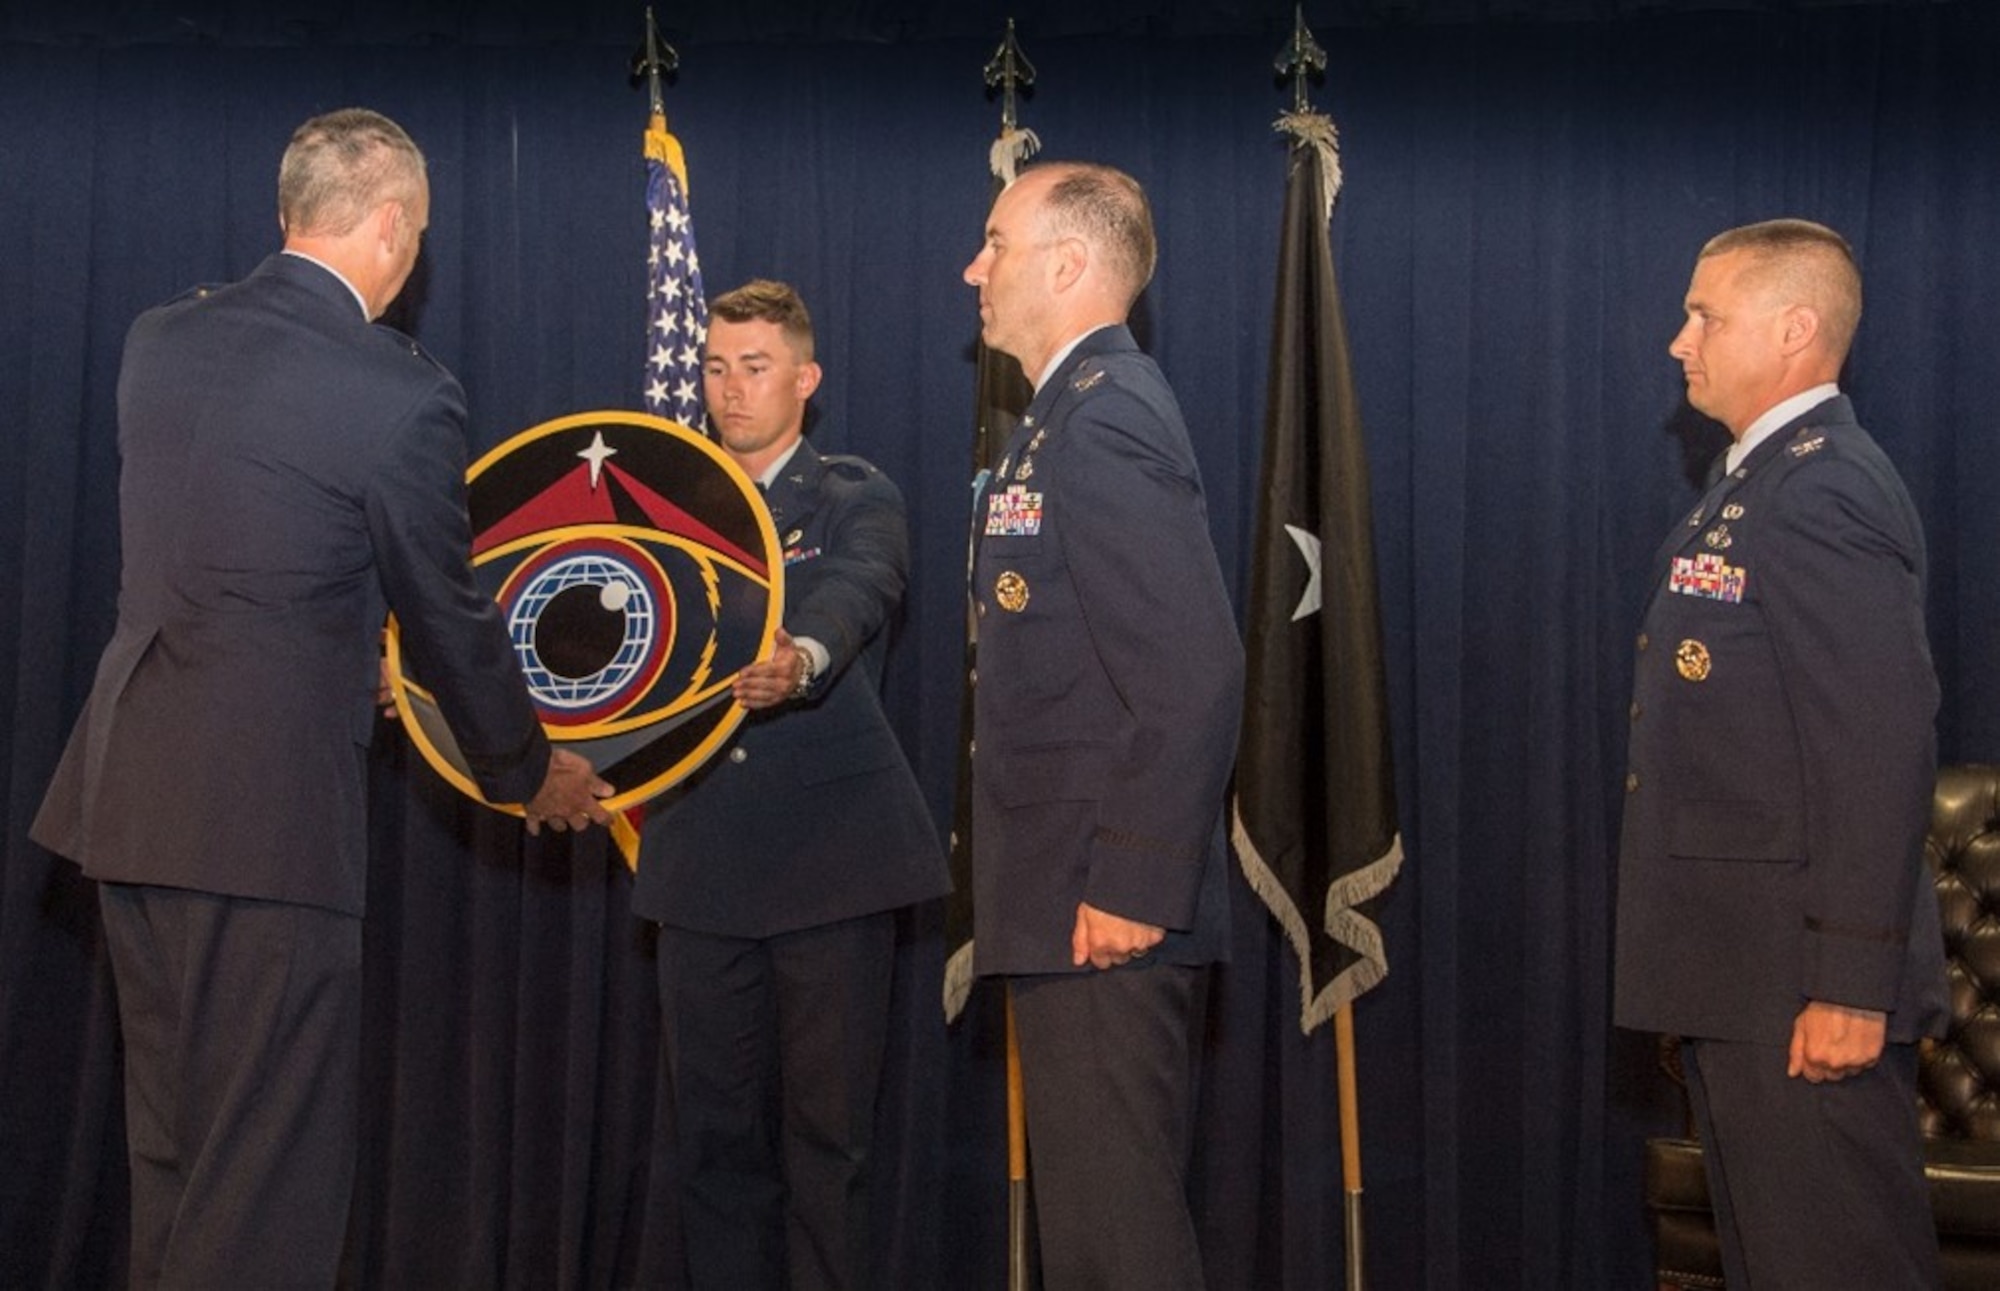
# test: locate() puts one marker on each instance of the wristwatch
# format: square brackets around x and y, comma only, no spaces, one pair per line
[808,672]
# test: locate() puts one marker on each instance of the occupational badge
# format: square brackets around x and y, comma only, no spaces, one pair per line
[1718,537]
[1734,511]
[1691,661]
[638,572]
[1026,470]
[1011,590]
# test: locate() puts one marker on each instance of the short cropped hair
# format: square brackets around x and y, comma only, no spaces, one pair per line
[342,165]
[1802,263]
[763,301]
[1107,209]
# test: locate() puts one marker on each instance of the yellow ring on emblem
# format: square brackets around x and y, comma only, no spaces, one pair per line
[1692,661]
[1011,590]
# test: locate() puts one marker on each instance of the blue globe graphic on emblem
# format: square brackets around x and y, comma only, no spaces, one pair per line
[583,628]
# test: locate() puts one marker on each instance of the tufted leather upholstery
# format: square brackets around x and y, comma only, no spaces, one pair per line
[1958,1075]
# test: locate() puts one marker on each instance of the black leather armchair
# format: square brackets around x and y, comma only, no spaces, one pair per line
[1958,1079]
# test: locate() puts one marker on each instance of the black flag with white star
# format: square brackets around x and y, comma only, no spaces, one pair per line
[1315,808]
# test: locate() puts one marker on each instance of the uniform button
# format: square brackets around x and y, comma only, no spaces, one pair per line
[1636,710]
[1644,641]
[972,676]
[982,608]
[1631,782]
[739,754]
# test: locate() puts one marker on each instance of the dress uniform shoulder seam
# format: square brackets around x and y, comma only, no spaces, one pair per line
[850,467]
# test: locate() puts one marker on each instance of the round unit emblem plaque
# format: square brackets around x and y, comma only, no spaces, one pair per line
[638,572]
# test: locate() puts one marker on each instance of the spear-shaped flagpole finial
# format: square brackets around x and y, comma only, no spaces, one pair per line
[1009,70]
[655,59]
[1300,59]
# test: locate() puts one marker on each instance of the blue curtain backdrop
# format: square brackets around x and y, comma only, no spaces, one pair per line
[1527,185]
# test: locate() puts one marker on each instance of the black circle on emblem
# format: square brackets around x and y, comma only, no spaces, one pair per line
[577,635]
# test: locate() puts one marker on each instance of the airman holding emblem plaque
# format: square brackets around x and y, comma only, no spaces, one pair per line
[775,870]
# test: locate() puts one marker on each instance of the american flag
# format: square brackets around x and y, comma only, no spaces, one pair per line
[676,306]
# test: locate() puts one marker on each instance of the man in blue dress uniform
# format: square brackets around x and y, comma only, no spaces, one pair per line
[775,872]
[1109,689]
[1774,907]
[290,472]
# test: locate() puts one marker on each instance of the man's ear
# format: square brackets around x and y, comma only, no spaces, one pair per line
[1069,259]
[809,377]
[391,224]
[1800,330]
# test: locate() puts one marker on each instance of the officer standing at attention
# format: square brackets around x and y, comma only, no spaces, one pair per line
[1106,708]
[1774,907]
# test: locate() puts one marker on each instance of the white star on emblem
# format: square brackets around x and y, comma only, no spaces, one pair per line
[1308,543]
[595,455]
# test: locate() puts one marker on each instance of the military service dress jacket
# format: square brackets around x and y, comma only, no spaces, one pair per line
[1782,753]
[1110,674]
[289,472]
[810,814]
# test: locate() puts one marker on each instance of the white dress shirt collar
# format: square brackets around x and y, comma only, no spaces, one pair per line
[1775,416]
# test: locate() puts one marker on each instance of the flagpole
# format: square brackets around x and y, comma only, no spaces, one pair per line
[1301,59]
[1017,1161]
[652,61]
[1350,1141]
[648,64]
[675,302]
[1001,383]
